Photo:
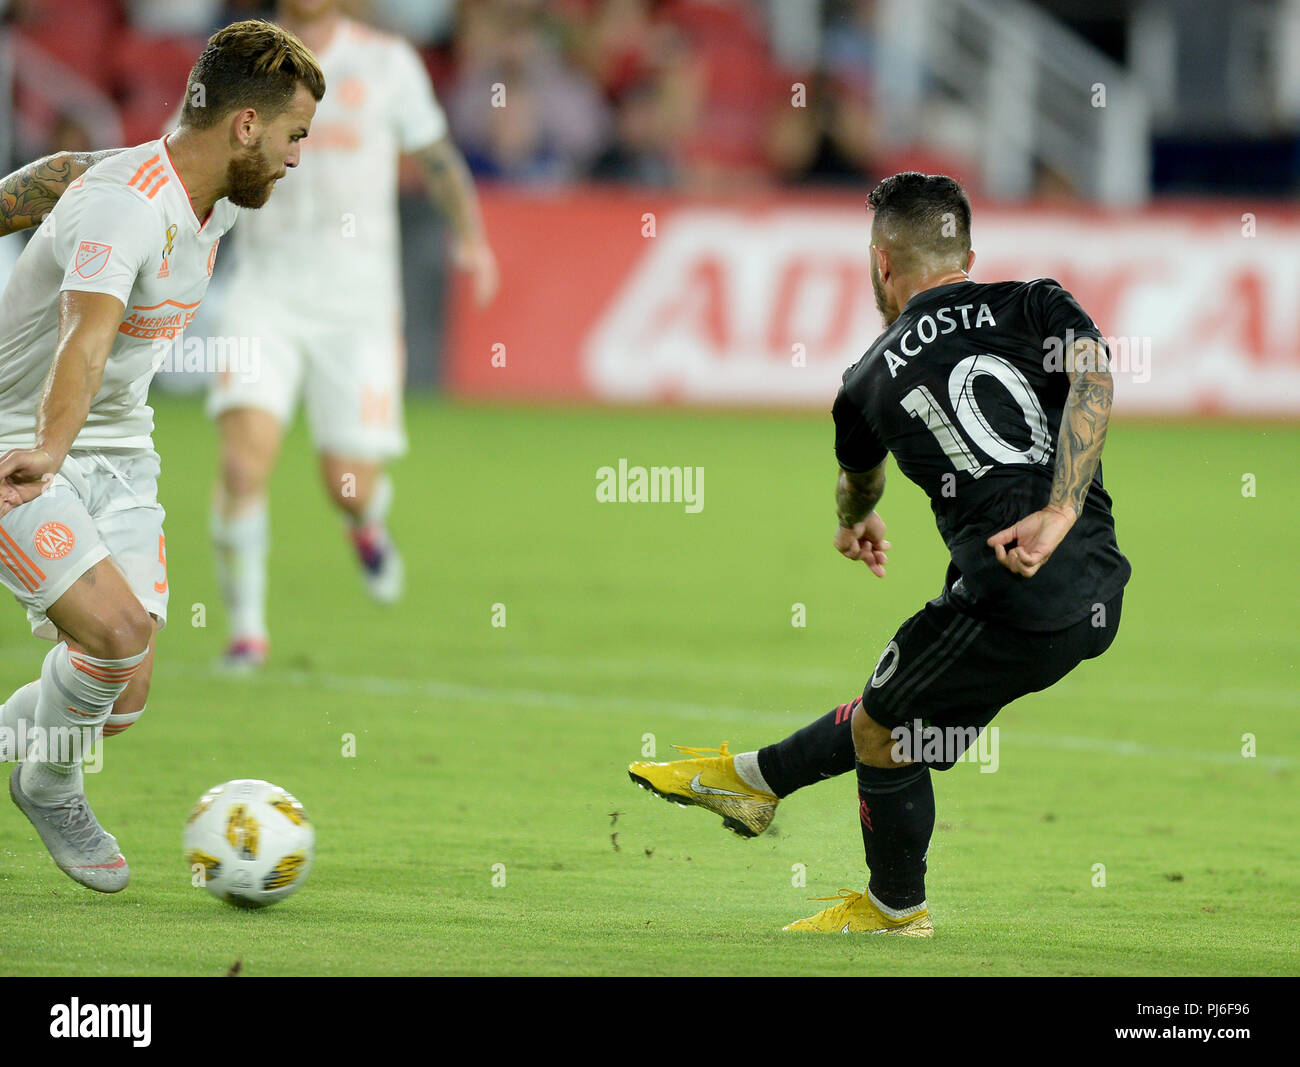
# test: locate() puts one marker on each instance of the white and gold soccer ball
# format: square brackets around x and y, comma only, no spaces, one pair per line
[249,843]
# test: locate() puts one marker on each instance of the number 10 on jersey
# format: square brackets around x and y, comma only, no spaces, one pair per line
[921,404]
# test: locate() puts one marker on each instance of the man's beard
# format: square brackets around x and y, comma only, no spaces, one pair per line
[250,178]
[879,290]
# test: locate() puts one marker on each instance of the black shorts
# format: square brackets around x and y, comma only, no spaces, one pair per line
[948,670]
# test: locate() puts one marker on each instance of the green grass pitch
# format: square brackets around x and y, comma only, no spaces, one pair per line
[481,745]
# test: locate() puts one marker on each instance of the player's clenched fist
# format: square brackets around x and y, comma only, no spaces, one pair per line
[865,541]
[24,474]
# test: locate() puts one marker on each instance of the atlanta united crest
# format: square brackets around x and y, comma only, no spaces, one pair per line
[54,540]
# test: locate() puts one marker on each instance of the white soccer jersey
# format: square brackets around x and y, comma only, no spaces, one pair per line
[127,228]
[327,243]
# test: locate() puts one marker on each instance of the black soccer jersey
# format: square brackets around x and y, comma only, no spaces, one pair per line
[966,391]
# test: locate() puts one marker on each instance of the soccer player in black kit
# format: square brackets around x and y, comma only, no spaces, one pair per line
[993,398]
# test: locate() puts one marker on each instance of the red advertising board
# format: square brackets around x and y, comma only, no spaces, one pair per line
[614,296]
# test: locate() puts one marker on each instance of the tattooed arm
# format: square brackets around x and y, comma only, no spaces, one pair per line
[450,187]
[1078,451]
[29,194]
[856,495]
[862,532]
[1083,425]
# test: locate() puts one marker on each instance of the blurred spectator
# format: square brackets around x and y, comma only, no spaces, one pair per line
[420,21]
[517,144]
[849,43]
[516,109]
[946,138]
[725,52]
[830,140]
[657,85]
[614,43]
[663,93]
[643,149]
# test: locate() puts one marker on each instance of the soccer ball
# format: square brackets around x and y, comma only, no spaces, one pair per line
[249,843]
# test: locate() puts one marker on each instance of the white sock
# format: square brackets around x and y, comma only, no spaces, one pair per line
[378,506]
[746,765]
[77,693]
[894,913]
[16,719]
[116,723]
[241,545]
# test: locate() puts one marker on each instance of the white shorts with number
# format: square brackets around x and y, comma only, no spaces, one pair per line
[349,372]
[100,504]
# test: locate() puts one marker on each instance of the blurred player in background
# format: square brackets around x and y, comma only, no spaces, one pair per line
[318,284]
[117,268]
[993,398]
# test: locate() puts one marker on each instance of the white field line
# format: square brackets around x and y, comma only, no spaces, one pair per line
[428,687]
[622,668]
[841,682]
[371,685]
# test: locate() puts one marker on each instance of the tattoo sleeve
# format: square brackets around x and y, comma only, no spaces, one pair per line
[1083,425]
[29,194]
[450,187]
[856,495]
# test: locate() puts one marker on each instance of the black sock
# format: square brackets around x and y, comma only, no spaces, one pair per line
[821,750]
[896,809]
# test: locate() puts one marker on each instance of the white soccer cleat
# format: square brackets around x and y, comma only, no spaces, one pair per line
[388,583]
[79,846]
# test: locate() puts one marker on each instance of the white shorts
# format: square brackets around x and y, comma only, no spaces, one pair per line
[350,373]
[100,504]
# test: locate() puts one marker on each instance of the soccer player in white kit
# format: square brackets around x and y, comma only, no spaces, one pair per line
[110,279]
[318,284]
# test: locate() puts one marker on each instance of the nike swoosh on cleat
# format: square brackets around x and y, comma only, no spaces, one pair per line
[697,788]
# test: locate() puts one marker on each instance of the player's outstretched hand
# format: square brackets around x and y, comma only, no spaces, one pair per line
[865,541]
[1036,537]
[24,474]
[477,258]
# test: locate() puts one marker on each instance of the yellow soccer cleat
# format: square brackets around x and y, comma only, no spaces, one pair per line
[709,782]
[857,914]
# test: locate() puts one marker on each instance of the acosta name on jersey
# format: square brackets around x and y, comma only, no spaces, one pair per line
[927,329]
